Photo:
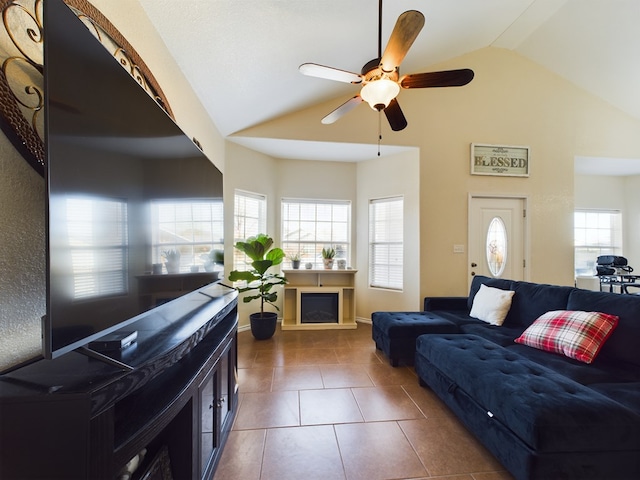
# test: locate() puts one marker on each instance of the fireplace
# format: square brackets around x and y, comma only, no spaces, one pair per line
[319,307]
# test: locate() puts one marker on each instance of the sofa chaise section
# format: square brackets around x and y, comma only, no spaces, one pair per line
[537,422]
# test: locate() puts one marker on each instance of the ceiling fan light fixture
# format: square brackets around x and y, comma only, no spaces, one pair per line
[379,93]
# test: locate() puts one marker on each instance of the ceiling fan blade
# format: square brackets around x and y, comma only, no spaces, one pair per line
[395,116]
[330,73]
[343,109]
[449,78]
[404,33]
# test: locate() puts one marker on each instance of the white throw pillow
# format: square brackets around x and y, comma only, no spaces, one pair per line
[491,305]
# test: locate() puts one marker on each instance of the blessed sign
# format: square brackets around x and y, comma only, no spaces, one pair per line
[499,160]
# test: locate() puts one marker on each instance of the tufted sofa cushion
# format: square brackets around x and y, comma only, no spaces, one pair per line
[411,324]
[547,411]
[395,333]
[532,300]
[502,335]
[622,346]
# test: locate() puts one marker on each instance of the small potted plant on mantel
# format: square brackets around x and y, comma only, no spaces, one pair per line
[327,257]
[260,281]
[295,260]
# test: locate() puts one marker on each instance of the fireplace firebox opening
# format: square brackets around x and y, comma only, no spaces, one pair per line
[319,307]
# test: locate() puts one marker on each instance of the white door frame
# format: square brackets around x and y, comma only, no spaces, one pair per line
[525,234]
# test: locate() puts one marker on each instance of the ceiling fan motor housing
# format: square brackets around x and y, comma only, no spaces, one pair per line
[373,71]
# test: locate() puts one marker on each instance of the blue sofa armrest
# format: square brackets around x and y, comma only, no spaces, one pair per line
[458,304]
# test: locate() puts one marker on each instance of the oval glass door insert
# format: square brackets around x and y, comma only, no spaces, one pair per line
[496,246]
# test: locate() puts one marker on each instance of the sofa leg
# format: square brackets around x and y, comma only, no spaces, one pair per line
[394,362]
[423,383]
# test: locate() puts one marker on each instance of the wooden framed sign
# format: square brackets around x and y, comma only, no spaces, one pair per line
[501,160]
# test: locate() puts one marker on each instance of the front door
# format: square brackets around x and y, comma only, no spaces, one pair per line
[496,237]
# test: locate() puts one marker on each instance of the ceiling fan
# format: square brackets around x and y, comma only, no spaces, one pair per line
[380,78]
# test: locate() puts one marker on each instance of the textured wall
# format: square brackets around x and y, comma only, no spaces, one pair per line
[22,257]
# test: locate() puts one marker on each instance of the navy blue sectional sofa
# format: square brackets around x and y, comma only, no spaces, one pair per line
[542,414]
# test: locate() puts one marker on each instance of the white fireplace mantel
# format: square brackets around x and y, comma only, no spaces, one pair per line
[340,282]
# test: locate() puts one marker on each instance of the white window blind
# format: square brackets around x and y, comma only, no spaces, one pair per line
[98,238]
[192,226]
[386,243]
[308,226]
[596,232]
[250,219]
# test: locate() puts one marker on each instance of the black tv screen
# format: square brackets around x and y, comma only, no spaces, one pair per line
[124,184]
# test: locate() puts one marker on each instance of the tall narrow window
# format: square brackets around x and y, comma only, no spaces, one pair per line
[596,232]
[98,237]
[308,226]
[192,226]
[386,245]
[249,219]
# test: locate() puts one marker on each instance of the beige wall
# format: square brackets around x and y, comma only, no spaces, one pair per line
[256,173]
[355,182]
[511,101]
[385,177]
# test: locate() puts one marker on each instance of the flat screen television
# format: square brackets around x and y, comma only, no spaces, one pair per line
[120,175]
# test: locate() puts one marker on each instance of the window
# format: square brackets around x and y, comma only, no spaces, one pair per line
[192,226]
[98,238]
[249,219]
[308,226]
[386,243]
[496,246]
[596,232]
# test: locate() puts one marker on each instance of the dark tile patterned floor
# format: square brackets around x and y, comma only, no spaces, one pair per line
[326,405]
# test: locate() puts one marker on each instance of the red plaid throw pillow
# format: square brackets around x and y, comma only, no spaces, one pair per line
[575,334]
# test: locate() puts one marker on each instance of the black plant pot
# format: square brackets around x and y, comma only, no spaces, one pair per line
[263,325]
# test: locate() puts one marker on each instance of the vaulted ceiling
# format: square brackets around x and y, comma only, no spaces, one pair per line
[242,56]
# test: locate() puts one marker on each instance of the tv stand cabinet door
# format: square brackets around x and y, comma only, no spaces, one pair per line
[45,430]
[218,397]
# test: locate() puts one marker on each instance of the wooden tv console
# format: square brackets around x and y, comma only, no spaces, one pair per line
[76,417]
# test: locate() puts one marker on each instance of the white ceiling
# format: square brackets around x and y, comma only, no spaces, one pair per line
[242,56]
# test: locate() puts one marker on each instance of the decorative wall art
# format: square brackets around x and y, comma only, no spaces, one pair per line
[500,160]
[22,101]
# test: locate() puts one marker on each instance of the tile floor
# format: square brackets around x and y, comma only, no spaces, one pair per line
[326,405]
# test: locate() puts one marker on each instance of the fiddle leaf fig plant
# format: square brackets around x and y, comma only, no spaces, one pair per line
[259,279]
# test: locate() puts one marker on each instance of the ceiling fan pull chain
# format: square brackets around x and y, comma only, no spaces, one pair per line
[379,131]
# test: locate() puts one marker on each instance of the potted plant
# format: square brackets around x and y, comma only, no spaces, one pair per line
[327,257]
[172,257]
[295,260]
[260,281]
